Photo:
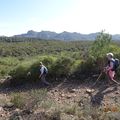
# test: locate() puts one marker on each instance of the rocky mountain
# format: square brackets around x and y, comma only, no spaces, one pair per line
[68,36]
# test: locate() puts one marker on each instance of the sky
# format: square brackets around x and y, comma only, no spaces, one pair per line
[83,16]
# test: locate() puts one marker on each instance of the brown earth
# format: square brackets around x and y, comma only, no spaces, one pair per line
[63,95]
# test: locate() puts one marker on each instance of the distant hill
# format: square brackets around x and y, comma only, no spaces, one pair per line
[68,36]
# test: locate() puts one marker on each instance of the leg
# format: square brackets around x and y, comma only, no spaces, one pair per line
[111,76]
[44,80]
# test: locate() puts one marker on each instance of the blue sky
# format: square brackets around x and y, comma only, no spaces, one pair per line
[84,16]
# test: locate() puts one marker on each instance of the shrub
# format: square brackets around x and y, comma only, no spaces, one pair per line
[38,95]
[34,69]
[54,115]
[62,67]
[29,71]
[18,100]
[70,110]
[19,74]
[47,104]
[101,45]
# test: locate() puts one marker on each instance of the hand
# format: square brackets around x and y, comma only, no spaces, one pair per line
[105,69]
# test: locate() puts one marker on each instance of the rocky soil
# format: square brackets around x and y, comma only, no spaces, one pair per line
[63,95]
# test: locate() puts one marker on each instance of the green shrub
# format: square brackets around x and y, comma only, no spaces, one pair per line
[70,110]
[18,100]
[19,74]
[47,104]
[62,67]
[38,95]
[34,69]
[27,71]
[101,45]
[6,64]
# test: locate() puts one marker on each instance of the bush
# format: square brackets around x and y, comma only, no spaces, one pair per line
[101,45]
[67,65]
[38,95]
[62,67]
[19,74]
[28,71]
[18,100]
[70,110]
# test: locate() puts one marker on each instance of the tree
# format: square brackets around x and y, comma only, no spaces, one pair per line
[99,49]
[101,45]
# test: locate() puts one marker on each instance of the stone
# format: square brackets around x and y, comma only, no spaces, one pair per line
[68,96]
[9,105]
[27,111]
[72,90]
[62,95]
[1,109]
[117,92]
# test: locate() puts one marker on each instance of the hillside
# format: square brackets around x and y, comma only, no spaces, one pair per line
[21,47]
[64,101]
[68,36]
[73,67]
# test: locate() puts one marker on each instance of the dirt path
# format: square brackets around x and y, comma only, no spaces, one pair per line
[67,93]
[72,93]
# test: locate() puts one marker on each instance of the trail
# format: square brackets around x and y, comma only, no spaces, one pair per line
[67,93]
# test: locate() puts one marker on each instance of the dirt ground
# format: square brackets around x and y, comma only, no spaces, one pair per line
[64,94]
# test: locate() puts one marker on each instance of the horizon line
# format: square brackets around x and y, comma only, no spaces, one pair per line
[56,32]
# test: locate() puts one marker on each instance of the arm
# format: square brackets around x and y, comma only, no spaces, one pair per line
[42,71]
[111,66]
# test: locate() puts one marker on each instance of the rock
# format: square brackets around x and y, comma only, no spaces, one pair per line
[8,77]
[117,92]
[27,111]
[89,91]
[1,109]
[2,115]
[9,105]
[17,111]
[62,95]
[82,118]
[6,81]
[15,117]
[72,90]
[68,96]
[74,95]
[2,112]
[55,90]
[20,118]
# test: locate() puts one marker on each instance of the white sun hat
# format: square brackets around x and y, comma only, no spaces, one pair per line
[111,54]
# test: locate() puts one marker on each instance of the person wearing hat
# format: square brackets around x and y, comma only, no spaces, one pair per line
[43,73]
[110,69]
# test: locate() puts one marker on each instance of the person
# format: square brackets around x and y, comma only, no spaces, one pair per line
[43,73]
[110,68]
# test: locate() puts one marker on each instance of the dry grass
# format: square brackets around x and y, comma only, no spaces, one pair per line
[49,108]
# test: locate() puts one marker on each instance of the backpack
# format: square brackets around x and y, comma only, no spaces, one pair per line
[116,63]
[45,70]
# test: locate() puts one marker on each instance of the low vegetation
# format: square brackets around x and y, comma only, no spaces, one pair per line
[78,61]
[67,65]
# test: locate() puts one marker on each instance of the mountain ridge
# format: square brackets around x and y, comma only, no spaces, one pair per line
[67,36]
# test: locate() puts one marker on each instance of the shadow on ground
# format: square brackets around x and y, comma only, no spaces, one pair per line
[96,98]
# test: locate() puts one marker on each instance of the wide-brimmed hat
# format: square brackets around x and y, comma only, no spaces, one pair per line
[110,54]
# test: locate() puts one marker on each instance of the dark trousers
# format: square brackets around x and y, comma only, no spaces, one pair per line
[43,79]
